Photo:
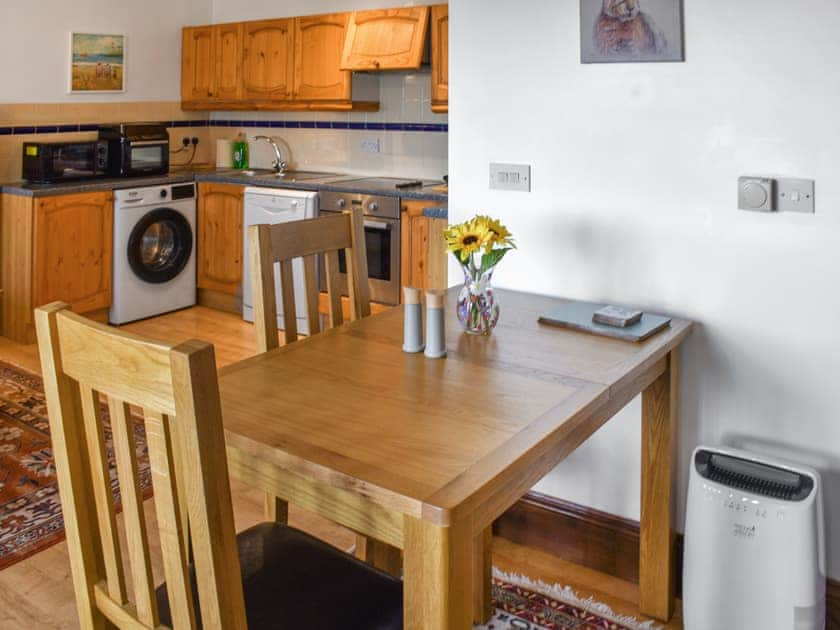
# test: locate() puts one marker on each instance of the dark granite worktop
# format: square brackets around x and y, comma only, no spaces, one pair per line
[332,182]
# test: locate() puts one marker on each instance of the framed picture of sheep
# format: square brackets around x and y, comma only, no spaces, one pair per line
[97,63]
[615,31]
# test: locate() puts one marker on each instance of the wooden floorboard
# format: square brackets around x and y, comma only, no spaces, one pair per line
[37,593]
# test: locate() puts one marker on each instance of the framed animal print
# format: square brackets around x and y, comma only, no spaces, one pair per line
[615,31]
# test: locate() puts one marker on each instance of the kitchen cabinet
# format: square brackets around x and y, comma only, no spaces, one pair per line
[211,64]
[319,41]
[286,64]
[56,248]
[386,39]
[422,247]
[219,244]
[440,58]
[269,60]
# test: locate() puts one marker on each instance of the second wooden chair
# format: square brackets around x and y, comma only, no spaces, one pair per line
[279,245]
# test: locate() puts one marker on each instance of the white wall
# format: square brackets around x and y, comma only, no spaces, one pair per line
[35,37]
[634,201]
[236,10]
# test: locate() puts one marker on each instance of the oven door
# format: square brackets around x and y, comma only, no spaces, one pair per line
[382,241]
[150,157]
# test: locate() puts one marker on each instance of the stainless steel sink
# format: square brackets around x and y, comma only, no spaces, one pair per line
[290,176]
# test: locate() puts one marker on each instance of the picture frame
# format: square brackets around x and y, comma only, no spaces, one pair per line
[631,31]
[97,63]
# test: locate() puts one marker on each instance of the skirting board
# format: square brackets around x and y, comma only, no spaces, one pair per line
[597,540]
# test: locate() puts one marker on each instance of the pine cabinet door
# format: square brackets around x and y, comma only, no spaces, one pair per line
[73,246]
[386,39]
[227,51]
[319,40]
[198,70]
[269,60]
[440,58]
[219,249]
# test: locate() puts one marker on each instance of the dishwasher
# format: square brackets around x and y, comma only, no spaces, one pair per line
[272,206]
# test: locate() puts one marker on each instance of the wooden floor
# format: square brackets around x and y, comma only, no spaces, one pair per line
[37,593]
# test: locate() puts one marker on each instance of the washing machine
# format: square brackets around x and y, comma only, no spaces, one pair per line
[154,251]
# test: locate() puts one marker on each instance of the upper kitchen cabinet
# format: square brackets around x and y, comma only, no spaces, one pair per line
[387,39]
[197,64]
[211,65]
[227,43]
[319,40]
[440,58]
[269,60]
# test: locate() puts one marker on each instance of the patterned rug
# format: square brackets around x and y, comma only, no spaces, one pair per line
[523,604]
[30,510]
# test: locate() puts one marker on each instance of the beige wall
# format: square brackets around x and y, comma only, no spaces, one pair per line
[21,114]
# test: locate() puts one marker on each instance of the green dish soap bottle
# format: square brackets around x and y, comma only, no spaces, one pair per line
[240,152]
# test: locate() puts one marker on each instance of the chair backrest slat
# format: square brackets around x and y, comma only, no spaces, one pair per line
[331,271]
[287,286]
[102,493]
[125,454]
[357,269]
[176,392]
[281,244]
[169,519]
[310,283]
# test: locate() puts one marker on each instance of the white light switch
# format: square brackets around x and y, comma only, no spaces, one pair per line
[795,195]
[510,177]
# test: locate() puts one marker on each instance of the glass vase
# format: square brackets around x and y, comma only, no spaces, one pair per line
[478,310]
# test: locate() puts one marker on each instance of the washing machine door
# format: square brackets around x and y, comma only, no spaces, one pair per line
[160,245]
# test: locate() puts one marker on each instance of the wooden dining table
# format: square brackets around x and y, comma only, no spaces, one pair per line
[423,454]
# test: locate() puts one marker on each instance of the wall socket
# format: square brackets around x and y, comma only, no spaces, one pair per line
[510,177]
[765,194]
[371,145]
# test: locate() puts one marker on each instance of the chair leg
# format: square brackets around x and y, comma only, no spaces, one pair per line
[379,554]
[276,510]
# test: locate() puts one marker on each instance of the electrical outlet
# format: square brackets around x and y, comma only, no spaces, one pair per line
[370,145]
[795,195]
[510,177]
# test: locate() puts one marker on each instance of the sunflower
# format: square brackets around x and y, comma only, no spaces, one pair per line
[499,234]
[467,238]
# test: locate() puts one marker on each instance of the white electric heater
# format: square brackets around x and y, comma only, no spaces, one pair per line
[754,544]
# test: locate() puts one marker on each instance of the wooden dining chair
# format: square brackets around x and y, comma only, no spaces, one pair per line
[279,245]
[269,576]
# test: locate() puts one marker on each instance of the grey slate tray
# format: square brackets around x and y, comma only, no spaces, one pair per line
[578,316]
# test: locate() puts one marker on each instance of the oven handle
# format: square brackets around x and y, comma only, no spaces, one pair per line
[378,225]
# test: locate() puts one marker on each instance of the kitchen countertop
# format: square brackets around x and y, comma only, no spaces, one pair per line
[330,182]
[438,212]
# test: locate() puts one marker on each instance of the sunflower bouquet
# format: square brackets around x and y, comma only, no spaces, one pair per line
[478,245]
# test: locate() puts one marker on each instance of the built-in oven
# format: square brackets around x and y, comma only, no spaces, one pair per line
[382,240]
[136,149]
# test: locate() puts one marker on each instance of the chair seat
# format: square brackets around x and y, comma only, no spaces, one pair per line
[292,580]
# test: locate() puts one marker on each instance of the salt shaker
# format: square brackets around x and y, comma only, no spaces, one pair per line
[412,321]
[435,325]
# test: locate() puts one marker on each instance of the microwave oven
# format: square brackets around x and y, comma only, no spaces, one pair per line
[51,162]
[136,149]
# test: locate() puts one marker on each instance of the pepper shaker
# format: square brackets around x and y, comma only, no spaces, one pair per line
[435,325]
[412,321]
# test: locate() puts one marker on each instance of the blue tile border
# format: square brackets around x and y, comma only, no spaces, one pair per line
[20,130]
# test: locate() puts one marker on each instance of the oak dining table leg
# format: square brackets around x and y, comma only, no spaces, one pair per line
[482,568]
[656,549]
[276,509]
[379,554]
[437,576]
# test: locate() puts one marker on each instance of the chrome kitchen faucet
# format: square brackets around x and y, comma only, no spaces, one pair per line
[279,164]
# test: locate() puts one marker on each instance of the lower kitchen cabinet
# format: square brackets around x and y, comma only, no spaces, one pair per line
[55,248]
[219,245]
[423,250]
